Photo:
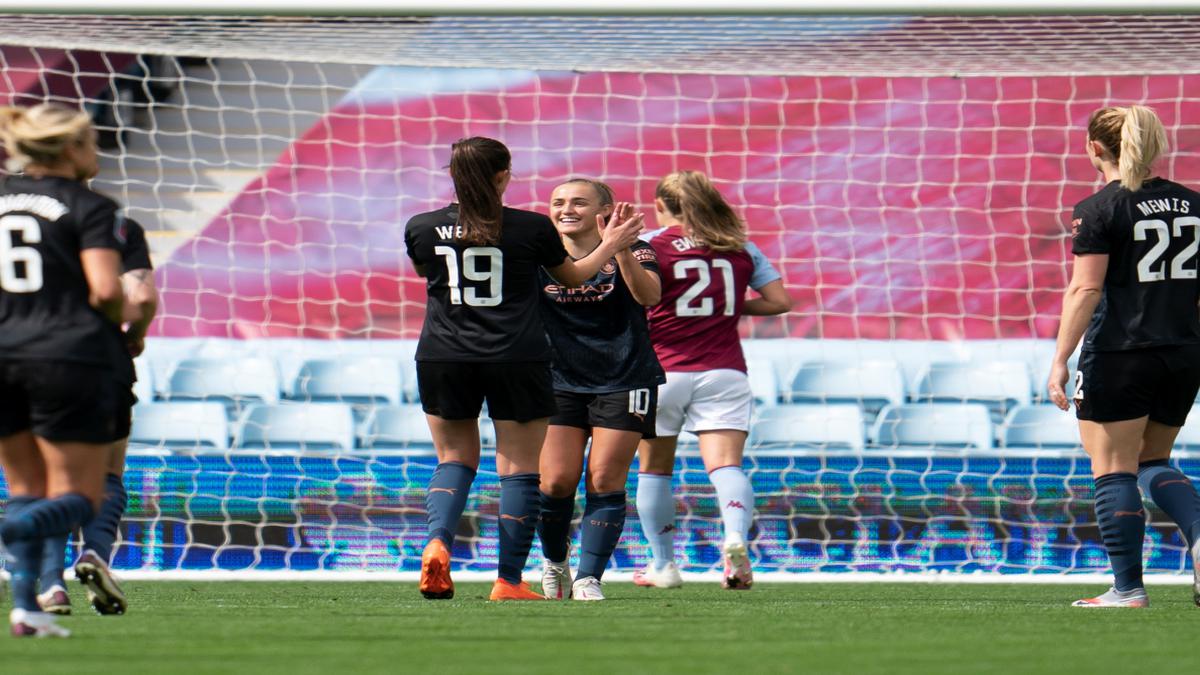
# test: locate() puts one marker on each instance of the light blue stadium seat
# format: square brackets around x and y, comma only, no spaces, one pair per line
[396,428]
[349,379]
[144,387]
[180,425]
[296,426]
[1189,435]
[870,384]
[934,426]
[1040,426]
[234,381]
[763,382]
[826,426]
[1000,385]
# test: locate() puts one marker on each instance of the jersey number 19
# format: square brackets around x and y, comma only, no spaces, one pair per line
[479,263]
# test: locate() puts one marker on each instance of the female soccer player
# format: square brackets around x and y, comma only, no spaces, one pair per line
[60,305]
[606,381]
[483,339]
[707,263]
[1134,291]
[91,568]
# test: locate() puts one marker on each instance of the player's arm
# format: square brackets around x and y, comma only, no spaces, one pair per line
[1082,296]
[638,265]
[613,239]
[102,269]
[141,304]
[773,299]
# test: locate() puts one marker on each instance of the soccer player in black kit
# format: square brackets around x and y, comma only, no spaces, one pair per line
[483,340]
[606,379]
[1134,291]
[60,309]
[98,538]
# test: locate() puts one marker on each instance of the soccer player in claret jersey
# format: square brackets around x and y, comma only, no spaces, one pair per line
[707,264]
[606,381]
[104,594]
[60,309]
[483,340]
[1133,300]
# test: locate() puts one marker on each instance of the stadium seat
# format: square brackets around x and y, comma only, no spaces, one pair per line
[1189,435]
[144,387]
[934,426]
[826,426]
[305,427]
[180,425]
[396,428]
[362,381]
[871,384]
[1040,426]
[763,383]
[234,381]
[1000,385]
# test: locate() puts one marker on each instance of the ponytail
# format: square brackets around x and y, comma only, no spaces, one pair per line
[691,197]
[474,163]
[40,134]
[1135,138]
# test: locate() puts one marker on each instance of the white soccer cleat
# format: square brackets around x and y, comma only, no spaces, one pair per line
[587,588]
[556,580]
[1114,598]
[1196,573]
[35,624]
[667,577]
[738,575]
[55,601]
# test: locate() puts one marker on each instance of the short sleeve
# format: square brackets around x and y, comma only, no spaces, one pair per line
[101,227]
[645,255]
[550,249]
[135,255]
[763,273]
[411,243]
[1089,232]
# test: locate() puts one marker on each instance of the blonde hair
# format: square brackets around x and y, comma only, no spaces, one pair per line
[1134,136]
[691,197]
[41,134]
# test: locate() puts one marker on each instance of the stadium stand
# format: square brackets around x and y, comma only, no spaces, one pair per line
[233,381]
[871,384]
[934,426]
[1039,427]
[827,427]
[999,385]
[308,427]
[181,425]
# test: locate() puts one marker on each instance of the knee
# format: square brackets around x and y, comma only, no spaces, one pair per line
[557,485]
[607,478]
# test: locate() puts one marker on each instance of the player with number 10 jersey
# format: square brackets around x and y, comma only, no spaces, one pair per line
[707,264]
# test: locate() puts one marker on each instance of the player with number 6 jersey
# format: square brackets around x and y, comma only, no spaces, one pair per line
[707,264]
[1133,300]
[606,381]
[483,339]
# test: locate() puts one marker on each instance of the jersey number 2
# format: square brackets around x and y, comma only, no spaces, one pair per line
[685,305]
[492,272]
[30,280]
[1146,266]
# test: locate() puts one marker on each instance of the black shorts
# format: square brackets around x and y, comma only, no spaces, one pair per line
[514,391]
[64,402]
[631,410]
[1160,382]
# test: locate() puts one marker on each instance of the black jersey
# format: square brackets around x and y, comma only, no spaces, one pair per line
[1151,290]
[44,309]
[483,300]
[598,332]
[135,253]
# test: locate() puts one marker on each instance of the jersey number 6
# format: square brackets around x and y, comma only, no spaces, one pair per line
[31,261]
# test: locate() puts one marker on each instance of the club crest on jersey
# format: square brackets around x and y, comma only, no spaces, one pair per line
[609,267]
[120,228]
[1075,226]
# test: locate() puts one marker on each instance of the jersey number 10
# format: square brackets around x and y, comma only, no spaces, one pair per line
[31,233]
[1146,266]
[474,269]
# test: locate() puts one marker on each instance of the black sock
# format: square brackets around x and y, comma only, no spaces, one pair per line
[27,558]
[603,521]
[1122,523]
[446,498]
[47,518]
[1174,493]
[519,507]
[554,528]
[101,533]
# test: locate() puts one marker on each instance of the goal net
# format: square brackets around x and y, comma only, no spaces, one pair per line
[910,176]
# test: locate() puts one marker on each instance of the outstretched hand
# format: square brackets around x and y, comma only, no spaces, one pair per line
[622,228]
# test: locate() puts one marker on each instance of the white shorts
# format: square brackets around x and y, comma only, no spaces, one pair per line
[704,401]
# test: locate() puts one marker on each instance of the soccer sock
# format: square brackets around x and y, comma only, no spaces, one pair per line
[26,559]
[1174,494]
[1122,523]
[54,554]
[554,527]
[446,498]
[47,518]
[736,497]
[656,511]
[519,506]
[603,521]
[101,533]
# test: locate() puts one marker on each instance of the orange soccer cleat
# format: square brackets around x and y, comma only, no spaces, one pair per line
[435,571]
[503,590]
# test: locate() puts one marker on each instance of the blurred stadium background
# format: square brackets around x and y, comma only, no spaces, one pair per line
[910,176]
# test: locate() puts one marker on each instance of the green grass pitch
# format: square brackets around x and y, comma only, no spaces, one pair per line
[342,628]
